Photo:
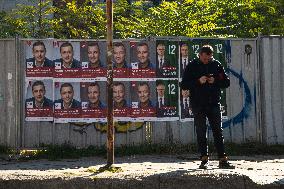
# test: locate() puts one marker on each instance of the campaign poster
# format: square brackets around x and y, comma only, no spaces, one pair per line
[185,106]
[39,100]
[121,100]
[93,96]
[142,57]
[93,58]
[167,59]
[167,100]
[221,51]
[121,59]
[67,65]
[39,55]
[67,102]
[186,54]
[143,104]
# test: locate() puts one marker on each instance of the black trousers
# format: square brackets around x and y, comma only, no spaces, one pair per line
[213,115]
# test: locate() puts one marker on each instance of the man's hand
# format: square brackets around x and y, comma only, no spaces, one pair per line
[210,79]
[202,79]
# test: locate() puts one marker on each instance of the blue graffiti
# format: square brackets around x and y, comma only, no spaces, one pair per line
[244,114]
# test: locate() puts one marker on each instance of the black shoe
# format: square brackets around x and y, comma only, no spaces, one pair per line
[204,162]
[224,164]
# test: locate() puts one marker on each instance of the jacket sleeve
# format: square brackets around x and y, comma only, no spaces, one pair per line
[188,81]
[222,79]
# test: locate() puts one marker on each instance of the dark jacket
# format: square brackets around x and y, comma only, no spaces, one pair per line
[206,94]
[75,63]
[47,103]
[47,62]
[74,104]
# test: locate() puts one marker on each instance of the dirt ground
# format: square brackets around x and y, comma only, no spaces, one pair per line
[148,171]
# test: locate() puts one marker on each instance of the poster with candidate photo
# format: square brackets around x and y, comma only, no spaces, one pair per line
[167,59]
[186,54]
[67,102]
[143,101]
[93,96]
[67,65]
[39,100]
[142,58]
[185,106]
[121,60]
[222,50]
[39,55]
[167,100]
[93,58]
[121,101]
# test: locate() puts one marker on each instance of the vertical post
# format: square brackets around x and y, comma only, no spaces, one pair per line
[110,128]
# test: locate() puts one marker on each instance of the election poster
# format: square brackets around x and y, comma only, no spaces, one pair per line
[121,101]
[93,58]
[67,65]
[39,100]
[39,56]
[142,57]
[167,59]
[143,101]
[121,60]
[167,100]
[67,103]
[185,106]
[93,96]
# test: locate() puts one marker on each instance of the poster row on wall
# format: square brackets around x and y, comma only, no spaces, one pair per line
[66,81]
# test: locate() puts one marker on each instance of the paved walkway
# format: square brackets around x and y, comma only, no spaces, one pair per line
[148,171]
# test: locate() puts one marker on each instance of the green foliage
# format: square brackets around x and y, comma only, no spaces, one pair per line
[139,19]
[79,21]
[30,21]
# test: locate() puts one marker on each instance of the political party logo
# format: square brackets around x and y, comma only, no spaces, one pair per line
[57,106]
[30,64]
[57,65]
[85,65]
[30,104]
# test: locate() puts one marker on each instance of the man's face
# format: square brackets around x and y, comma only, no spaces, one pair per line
[118,93]
[67,94]
[161,50]
[93,94]
[184,51]
[39,53]
[67,54]
[161,90]
[93,54]
[143,93]
[142,53]
[38,93]
[119,54]
[185,93]
[205,58]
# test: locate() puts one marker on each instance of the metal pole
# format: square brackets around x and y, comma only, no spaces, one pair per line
[110,128]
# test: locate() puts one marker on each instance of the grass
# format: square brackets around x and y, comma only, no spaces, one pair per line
[67,151]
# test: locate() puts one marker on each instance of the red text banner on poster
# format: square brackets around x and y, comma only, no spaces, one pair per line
[70,113]
[93,73]
[94,113]
[39,112]
[143,73]
[143,112]
[121,112]
[40,72]
[121,72]
[68,73]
